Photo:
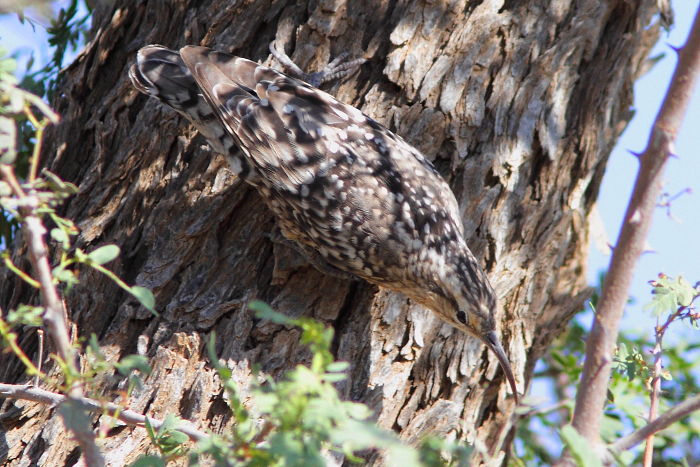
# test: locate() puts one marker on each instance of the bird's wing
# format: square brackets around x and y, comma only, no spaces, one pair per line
[298,135]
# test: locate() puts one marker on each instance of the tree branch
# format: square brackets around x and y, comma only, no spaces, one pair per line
[31,393]
[34,232]
[591,395]
[671,416]
[53,318]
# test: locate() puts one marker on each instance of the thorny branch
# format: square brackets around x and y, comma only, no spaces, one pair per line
[683,312]
[591,395]
[31,393]
[34,232]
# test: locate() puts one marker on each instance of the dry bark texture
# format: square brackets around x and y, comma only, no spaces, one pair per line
[518,103]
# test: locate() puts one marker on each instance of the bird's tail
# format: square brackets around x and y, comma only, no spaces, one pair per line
[161,73]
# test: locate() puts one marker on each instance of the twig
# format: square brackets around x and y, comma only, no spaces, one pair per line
[31,393]
[40,125]
[592,390]
[11,340]
[40,353]
[23,275]
[262,434]
[668,418]
[34,232]
[654,397]
[534,411]
[659,333]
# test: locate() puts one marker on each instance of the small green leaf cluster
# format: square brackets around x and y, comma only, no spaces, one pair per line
[65,273]
[631,362]
[673,295]
[169,441]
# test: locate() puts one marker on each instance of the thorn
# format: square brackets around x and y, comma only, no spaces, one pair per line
[674,48]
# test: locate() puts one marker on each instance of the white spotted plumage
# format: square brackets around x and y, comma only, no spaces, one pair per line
[341,185]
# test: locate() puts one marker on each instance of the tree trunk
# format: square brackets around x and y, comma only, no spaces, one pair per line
[517,103]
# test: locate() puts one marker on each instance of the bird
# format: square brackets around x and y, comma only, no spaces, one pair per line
[356,199]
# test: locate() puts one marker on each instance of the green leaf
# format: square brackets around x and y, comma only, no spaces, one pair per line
[337,366]
[104,254]
[580,448]
[75,416]
[357,410]
[685,292]
[149,429]
[178,437]
[27,315]
[144,296]
[61,237]
[7,67]
[133,362]
[263,311]
[64,275]
[149,461]
[669,294]
[622,351]
[334,377]
[58,186]
[168,439]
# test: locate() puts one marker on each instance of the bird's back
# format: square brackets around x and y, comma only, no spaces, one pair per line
[337,181]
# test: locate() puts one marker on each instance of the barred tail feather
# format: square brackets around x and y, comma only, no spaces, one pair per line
[161,73]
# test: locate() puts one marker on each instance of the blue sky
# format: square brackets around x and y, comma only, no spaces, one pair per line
[674,240]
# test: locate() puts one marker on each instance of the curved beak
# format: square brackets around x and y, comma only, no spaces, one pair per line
[494,344]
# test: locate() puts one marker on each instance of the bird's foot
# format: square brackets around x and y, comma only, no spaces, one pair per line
[339,68]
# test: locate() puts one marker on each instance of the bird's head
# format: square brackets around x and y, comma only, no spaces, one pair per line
[464,298]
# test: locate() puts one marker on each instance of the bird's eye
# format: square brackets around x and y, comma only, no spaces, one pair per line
[462,317]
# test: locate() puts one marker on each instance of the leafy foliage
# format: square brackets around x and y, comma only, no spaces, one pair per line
[629,391]
[296,420]
[673,295]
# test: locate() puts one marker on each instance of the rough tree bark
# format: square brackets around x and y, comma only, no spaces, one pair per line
[518,103]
